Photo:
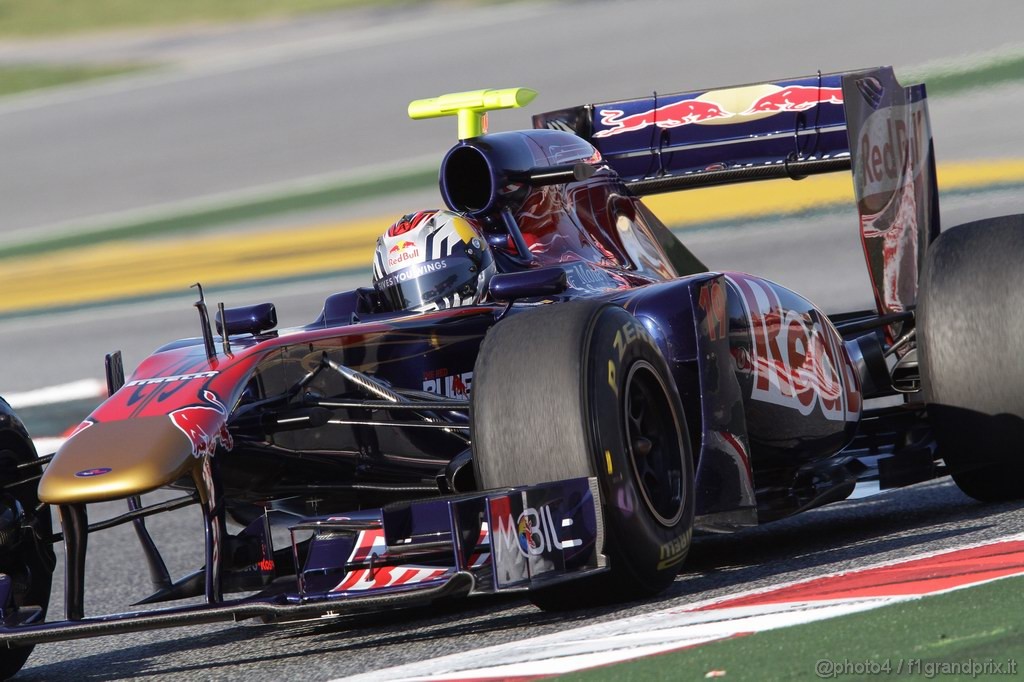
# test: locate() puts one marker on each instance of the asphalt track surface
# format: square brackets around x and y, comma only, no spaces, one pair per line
[229,129]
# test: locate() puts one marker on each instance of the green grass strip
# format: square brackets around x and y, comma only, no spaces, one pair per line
[206,218]
[19,78]
[926,638]
[961,78]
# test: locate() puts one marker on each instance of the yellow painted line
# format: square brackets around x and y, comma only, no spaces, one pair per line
[122,269]
[755,199]
[115,270]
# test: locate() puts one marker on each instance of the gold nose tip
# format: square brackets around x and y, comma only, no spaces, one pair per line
[113,460]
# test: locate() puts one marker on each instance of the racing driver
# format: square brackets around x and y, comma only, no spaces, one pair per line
[432,260]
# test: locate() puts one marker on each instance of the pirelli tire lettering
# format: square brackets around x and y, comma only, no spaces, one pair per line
[650,524]
[674,551]
[628,333]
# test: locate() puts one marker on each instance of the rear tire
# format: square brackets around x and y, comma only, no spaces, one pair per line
[23,556]
[580,389]
[970,325]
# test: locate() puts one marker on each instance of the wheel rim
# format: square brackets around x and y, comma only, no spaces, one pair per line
[654,443]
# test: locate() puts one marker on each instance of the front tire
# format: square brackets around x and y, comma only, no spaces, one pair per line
[23,555]
[970,325]
[580,389]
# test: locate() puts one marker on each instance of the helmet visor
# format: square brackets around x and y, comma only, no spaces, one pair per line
[446,282]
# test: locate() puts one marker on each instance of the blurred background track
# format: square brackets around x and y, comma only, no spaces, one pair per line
[230,107]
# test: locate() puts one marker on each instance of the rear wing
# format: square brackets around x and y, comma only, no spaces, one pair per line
[860,120]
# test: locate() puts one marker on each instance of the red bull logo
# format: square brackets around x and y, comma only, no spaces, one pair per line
[401,252]
[721,106]
[205,426]
[795,98]
[402,246]
[796,361]
[893,146]
[673,115]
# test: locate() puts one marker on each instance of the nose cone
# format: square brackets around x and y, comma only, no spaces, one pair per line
[117,459]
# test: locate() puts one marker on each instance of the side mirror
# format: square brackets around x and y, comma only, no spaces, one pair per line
[509,286]
[250,319]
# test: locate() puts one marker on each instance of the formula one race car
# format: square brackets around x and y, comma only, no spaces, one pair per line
[564,430]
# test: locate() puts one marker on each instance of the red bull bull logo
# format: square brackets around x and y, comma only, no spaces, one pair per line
[402,246]
[205,426]
[672,115]
[795,98]
[721,107]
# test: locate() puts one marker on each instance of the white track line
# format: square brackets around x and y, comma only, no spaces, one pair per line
[62,393]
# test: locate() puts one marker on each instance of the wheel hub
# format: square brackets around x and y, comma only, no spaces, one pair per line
[653,434]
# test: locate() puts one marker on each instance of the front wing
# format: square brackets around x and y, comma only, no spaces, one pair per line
[402,555]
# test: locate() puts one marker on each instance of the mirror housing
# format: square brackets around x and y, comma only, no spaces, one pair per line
[250,319]
[509,286]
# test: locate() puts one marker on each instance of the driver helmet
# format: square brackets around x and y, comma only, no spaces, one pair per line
[432,260]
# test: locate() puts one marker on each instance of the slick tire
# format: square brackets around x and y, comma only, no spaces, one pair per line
[970,326]
[23,555]
[580,389]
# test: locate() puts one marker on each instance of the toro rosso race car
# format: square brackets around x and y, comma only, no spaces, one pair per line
[564,430]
